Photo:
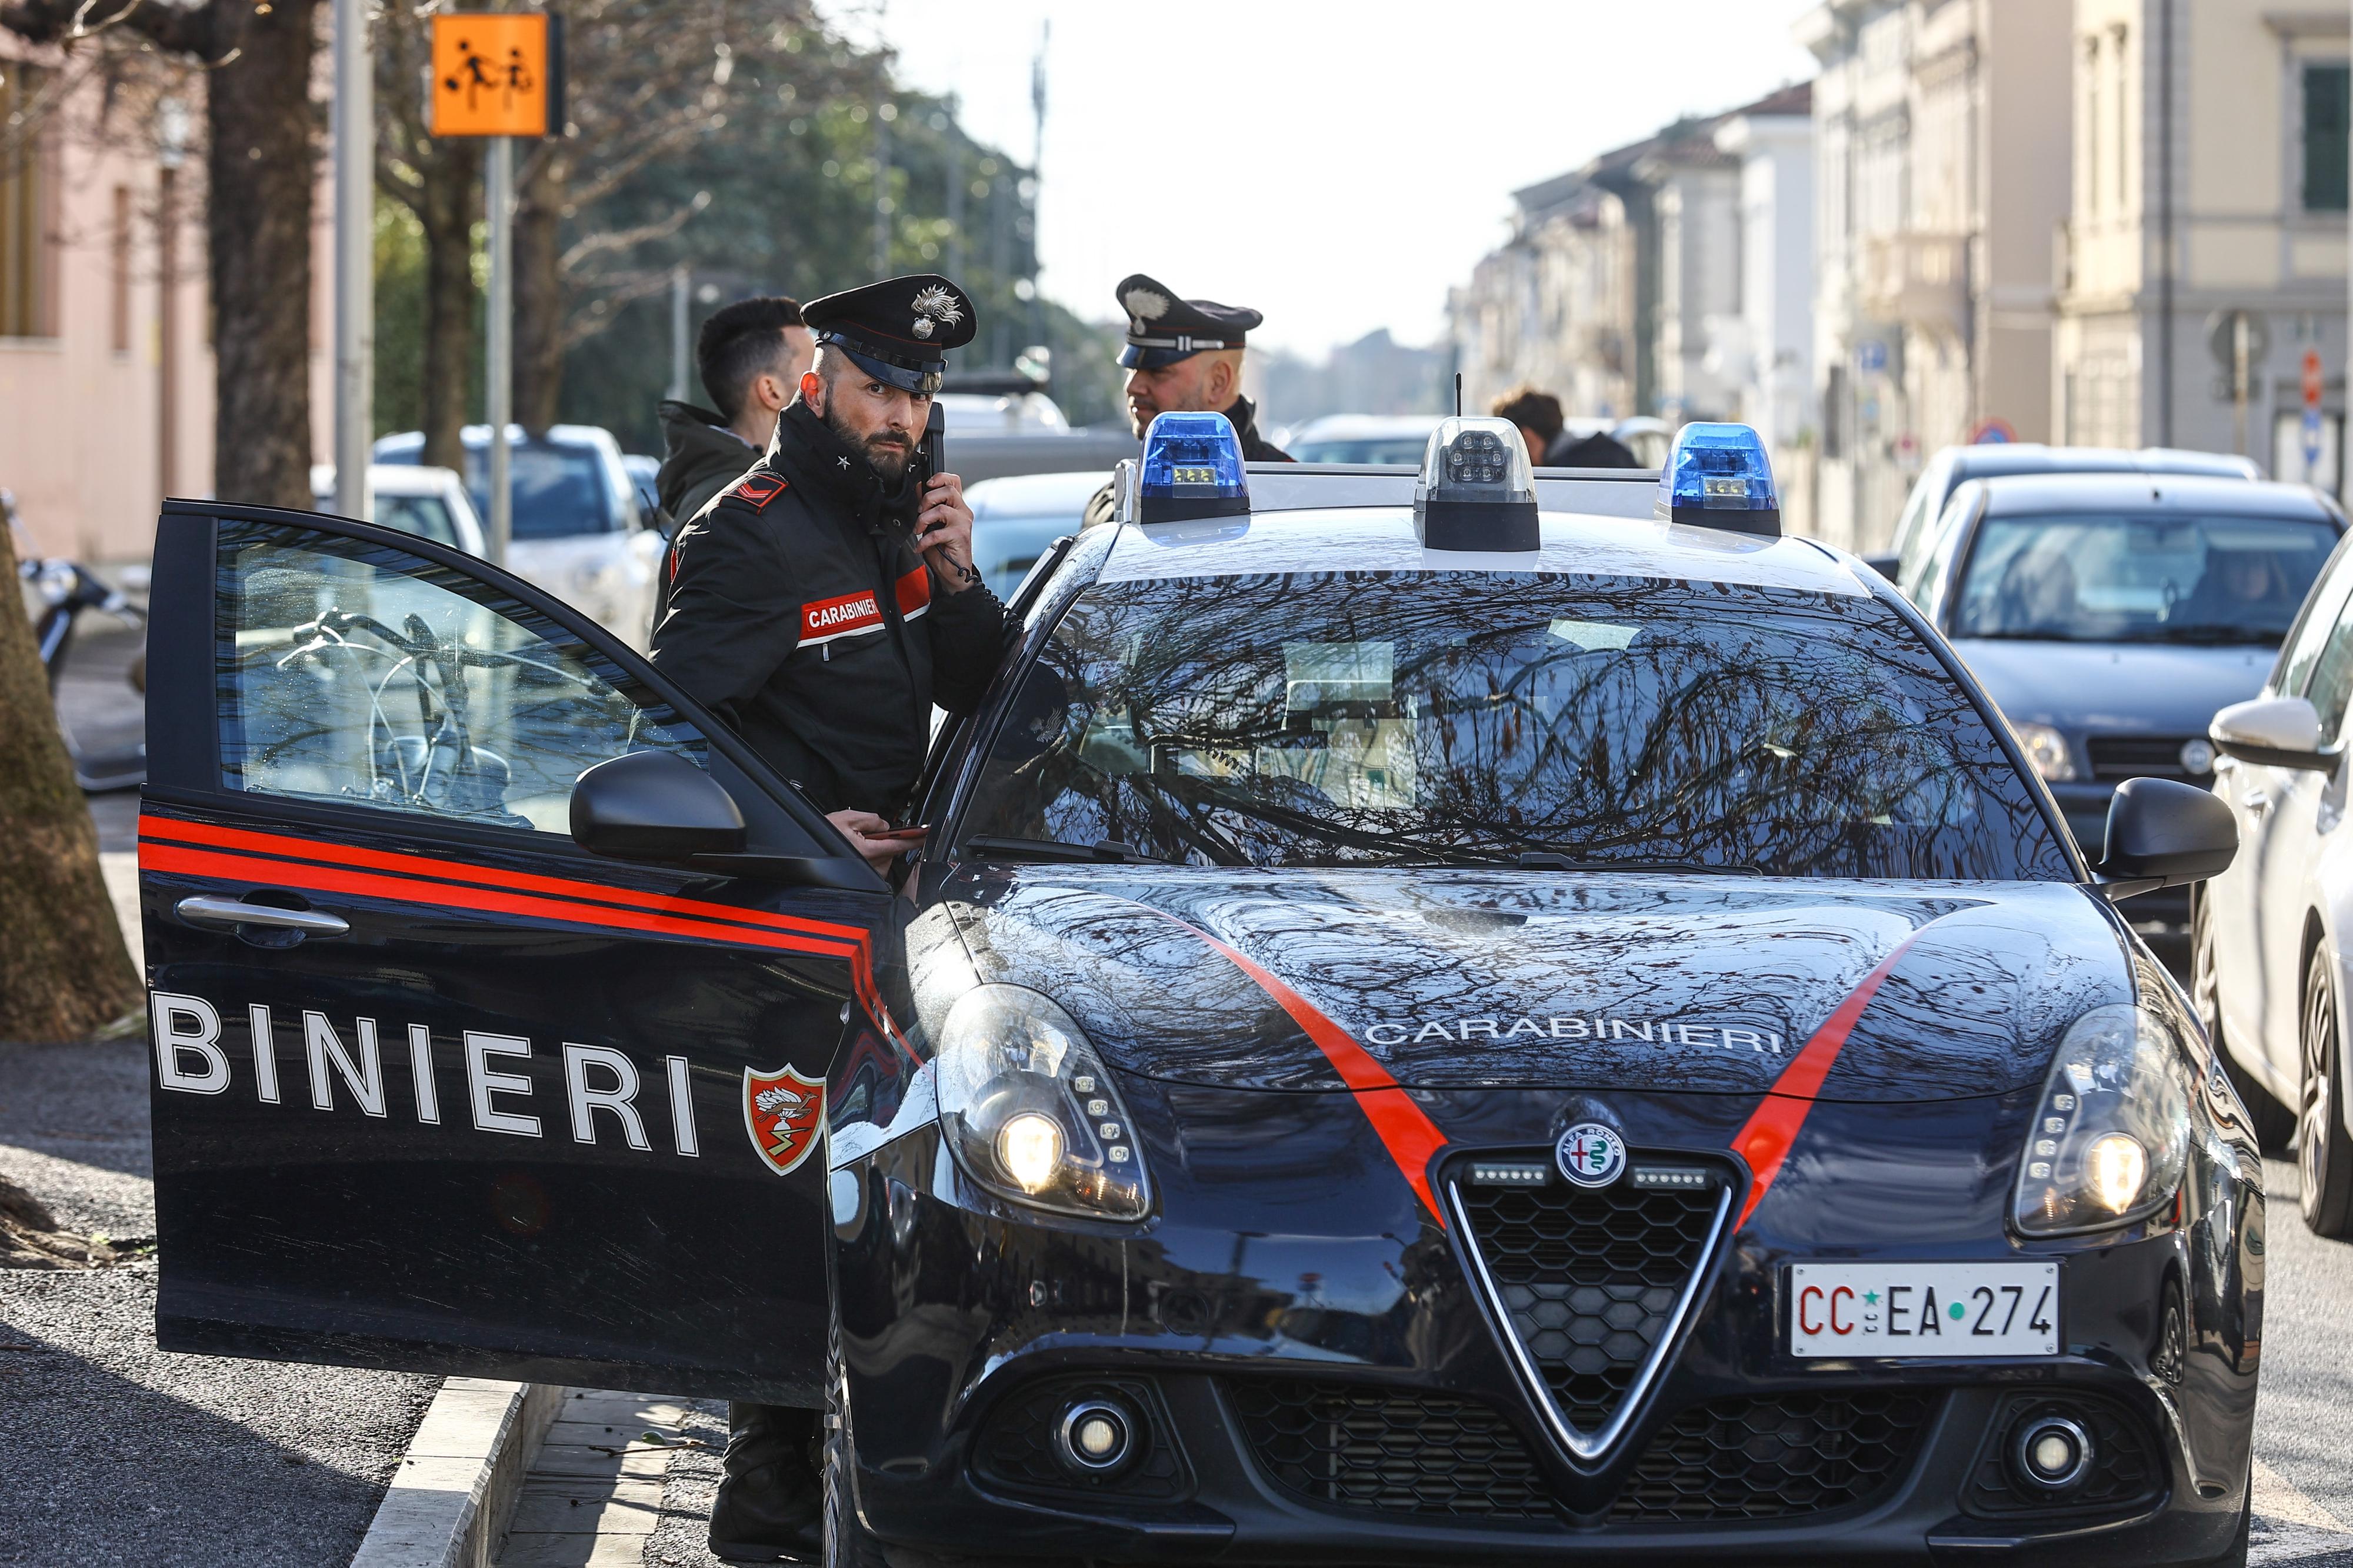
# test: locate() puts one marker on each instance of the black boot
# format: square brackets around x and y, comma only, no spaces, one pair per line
[771,1506]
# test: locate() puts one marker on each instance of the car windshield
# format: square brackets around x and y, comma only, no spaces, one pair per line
[1371,718]
[1364,449]
[2091,577]
[559,489]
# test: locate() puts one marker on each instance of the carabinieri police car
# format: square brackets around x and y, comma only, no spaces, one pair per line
[1458,1016]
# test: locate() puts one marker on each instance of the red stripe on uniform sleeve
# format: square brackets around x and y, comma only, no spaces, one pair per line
[914,591]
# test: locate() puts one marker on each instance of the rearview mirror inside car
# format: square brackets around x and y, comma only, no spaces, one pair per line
[2273,731]
[654,805]
[1885,565]
[2162,834]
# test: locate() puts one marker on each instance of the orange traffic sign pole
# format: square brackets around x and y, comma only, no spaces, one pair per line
[500,75]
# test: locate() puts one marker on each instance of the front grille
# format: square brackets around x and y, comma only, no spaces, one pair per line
[1772,1458]
[1372,1447]
[2125,1476]
[1589,1278]
[2116,757]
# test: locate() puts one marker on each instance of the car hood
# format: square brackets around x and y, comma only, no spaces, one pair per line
[1463,979]
[2131,688]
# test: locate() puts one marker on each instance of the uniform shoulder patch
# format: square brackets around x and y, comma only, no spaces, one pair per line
[759,489]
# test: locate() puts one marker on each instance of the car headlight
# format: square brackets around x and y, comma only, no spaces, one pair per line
[1029,1111]
[2046,748]
[2112,1133]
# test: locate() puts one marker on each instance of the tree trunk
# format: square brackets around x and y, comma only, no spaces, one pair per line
[539,289]
[261,164]
[451,179]
[64,971]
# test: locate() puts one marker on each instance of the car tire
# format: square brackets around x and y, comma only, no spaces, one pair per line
[2324,1152]
[847,1544]
[2273,1124]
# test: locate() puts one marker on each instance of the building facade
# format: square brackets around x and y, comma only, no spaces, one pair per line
[106,365]
[2209,188]
[1941,128]
[1662,278]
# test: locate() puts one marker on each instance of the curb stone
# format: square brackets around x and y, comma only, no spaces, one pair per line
[457,1485]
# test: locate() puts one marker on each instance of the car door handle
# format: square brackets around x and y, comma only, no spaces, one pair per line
[205,909]
[2256,801]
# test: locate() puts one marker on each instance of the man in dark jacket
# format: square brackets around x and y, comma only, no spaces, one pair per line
[751,354]
[820,606]
[1551,445]
[1183,355]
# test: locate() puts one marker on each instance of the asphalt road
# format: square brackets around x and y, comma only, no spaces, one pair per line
[114,1452]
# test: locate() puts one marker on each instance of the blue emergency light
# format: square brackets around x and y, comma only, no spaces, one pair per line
[1717,477]
[1192,468]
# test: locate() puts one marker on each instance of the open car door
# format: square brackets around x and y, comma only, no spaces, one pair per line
[435,1088]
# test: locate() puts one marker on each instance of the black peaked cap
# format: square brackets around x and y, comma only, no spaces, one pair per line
[899,330]
[1163,329]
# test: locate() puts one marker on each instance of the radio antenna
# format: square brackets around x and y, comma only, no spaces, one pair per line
[1457,395]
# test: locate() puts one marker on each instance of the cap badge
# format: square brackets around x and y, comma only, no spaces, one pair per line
[1591,1154]
[1144,305]
[936,304]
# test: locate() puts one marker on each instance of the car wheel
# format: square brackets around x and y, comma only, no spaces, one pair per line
[2324,1152]
[2273,1124]
[847,1544]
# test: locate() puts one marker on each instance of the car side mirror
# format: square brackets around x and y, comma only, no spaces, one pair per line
[654,805]
[2162,834]
[2273,731]
[658,806]
[1885,565]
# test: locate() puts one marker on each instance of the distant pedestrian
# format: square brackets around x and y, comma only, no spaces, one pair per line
[1184,355]
[751,354]
[1551,445]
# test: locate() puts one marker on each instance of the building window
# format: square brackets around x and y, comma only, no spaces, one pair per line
[2326,123]
[118,247]
[24,210]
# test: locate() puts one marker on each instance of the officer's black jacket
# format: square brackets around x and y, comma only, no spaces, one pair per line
[1256,448]
[796,608]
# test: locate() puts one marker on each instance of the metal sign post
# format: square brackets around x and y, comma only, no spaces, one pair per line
[498,191]
[354,201]
[500,75]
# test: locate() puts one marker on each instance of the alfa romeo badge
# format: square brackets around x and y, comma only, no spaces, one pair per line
[1591,1154]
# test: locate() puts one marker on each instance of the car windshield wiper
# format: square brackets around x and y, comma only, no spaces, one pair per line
[1553,860]
[1056,849]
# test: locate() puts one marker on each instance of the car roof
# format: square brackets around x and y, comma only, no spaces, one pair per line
[480,435]
[2014,494]
[1383,538]
[1995,458]
[1020,495]
[391,480]
[1360,426]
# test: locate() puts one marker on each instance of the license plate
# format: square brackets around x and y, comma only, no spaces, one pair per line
[1923,1310]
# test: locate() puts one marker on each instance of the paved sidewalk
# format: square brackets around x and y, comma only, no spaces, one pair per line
[624,1480]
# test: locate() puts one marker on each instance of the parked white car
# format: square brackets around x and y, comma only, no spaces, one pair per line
[2271,972]
[429,502]
[577,530]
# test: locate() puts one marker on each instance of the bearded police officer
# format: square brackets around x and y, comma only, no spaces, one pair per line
[1184,355]
[820,606]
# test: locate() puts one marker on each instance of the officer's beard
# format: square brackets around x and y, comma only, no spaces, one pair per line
[886,452]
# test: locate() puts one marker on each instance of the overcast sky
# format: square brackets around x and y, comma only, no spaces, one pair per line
[1336,164]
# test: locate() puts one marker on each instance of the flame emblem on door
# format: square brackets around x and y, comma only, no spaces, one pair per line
[785,1114]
